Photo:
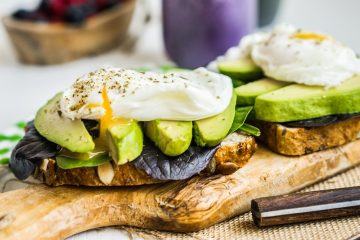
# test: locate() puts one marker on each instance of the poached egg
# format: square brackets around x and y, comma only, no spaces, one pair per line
[294,55]
[145,96]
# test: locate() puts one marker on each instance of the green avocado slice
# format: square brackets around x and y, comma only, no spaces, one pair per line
[171,137]
[247,93]
[70,134]
[125,142]
[241,70]
[300,102]
[211,131]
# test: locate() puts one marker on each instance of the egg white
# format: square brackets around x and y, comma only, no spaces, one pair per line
[294,55]
[187,96]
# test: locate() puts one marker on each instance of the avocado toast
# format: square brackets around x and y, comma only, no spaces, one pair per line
[120,127]
[309,97]
[172,126]
[323,119]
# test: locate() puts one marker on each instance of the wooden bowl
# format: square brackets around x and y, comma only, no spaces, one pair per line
[53,43]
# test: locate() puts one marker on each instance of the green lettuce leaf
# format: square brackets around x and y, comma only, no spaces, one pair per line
[250,129]
[69,163]
[241,113]
[4,161]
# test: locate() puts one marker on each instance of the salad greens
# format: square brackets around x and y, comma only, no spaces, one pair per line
[162,167]
[13,138]
[250,129]
[69,163]
[30,151]
[241,114]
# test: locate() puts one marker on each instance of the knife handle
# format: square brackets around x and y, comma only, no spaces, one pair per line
[308,206]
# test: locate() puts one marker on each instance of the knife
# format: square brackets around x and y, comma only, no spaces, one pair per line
[308,206]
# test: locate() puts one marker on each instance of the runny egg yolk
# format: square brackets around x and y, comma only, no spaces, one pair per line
[309,36]
[107,120]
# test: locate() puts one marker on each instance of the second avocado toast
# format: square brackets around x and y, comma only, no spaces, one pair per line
[314,103]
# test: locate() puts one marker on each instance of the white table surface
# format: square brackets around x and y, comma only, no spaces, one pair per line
[23,89]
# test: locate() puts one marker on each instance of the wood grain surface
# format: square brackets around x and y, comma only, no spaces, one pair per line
[41,212]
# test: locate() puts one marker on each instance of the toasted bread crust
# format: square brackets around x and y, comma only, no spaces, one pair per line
[126,175]
[233,153]
[300,141]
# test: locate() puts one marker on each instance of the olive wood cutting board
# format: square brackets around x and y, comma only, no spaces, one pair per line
[41,212]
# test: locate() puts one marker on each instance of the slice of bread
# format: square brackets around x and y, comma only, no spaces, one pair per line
[233,153]
[300,141]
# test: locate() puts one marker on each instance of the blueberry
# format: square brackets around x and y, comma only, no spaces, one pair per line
[39,16]
[75,14]
[36,16]
[23,14]
[106,4]
[90,7]
[45,5]
[111,3]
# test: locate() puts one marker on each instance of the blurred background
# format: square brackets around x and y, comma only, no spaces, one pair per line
[45,45]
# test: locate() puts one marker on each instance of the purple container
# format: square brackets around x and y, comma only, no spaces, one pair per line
[197,31]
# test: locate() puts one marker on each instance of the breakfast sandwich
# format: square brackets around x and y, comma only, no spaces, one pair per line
[120,127]
[307,94]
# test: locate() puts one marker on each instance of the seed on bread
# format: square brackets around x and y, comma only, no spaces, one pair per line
[106,173]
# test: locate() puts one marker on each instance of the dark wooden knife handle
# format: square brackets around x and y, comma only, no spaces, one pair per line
[308,206]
